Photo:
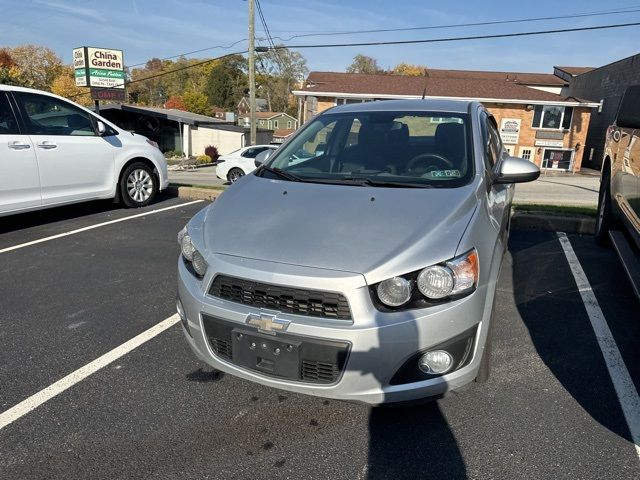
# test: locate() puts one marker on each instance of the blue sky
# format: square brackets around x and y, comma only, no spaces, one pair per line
[162,28]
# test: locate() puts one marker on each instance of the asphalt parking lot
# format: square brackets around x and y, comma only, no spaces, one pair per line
[549,410]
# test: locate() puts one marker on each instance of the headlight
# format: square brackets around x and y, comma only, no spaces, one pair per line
[453,278]
[395,291]
[191,255]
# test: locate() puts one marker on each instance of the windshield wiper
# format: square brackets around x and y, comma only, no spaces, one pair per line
[281,173]
[369,182]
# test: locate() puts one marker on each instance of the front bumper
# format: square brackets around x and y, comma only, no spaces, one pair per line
[378,343]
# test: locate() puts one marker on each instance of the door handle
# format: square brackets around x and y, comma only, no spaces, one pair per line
[47,145]
[18,145]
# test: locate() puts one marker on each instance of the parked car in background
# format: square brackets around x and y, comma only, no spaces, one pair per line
[55,152]
[619,198]
[364,269]
[239,163]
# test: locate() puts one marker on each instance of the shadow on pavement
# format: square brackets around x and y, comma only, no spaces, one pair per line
[20,221]
[552,310]
[412,442]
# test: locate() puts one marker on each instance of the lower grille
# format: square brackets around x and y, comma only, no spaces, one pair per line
[320,361]
[222,348]
[319,372]
[284,299]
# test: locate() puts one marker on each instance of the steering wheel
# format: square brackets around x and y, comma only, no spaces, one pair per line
[429,160]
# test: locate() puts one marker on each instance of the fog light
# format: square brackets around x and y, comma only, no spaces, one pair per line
[437,362]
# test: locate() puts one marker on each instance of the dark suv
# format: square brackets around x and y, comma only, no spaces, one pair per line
[619,199]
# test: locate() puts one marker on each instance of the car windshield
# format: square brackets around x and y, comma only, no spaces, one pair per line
[388,149]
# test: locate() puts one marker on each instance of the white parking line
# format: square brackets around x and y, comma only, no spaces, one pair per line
[622,382]
[97,225]
[34,401]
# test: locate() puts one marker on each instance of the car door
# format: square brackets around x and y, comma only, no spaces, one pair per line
[73,161]
[19,180]
[499,196]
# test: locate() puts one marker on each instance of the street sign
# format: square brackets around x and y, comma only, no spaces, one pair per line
[99,67]
[115,94]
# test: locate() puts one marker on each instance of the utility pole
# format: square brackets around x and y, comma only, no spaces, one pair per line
[252,73]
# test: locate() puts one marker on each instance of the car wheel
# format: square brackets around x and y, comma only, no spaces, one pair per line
[604,219]
[234,174]
[138,185]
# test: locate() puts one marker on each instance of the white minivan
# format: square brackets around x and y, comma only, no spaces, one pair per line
[55,152]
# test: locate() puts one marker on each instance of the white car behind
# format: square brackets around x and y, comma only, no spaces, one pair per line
[237,164]
[56,152]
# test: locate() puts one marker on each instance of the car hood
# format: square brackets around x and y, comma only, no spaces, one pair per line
[373,231]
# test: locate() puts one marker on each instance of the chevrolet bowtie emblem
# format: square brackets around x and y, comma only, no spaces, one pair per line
[267,323]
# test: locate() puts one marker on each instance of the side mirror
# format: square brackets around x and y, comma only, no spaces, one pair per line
[262,157]
[101,127]
[517,170]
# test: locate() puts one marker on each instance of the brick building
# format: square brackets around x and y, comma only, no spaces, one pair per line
[536,121]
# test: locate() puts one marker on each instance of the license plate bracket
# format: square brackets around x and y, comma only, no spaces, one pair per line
[266,353]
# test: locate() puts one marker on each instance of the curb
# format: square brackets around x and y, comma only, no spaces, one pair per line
[556,223]
[193,193]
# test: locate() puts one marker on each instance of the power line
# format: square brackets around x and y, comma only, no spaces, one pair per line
[457,25]
[223,47]
[455,39]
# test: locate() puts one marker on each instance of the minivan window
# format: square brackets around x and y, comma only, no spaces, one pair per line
[8,124]
[50,116]
[391,149]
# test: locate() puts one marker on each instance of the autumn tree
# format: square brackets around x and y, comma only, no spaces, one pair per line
[10,73]
[65,86]
[196,102]
[176,103]
[39,66]
[363,64]
[409,69]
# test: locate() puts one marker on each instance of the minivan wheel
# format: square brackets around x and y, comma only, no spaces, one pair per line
[234,174]
[138,185]
[604,218]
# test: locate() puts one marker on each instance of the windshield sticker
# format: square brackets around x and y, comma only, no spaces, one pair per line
[443,174]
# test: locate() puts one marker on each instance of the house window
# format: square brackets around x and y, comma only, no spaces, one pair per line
[527,153]
[552,116]
[289,124]
[262,123]
[275,124]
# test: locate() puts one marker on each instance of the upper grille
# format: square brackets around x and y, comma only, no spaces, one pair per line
[284,299]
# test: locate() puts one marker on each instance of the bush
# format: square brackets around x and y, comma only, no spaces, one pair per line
[173,154]
[212,152]
[202,159]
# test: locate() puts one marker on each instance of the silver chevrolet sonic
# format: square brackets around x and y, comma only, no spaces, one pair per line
[360,260]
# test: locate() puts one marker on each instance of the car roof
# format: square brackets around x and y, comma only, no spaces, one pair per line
[427,105]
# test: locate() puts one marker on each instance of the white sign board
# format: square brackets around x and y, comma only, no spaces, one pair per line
[99,67]
[510,130]
[548,143]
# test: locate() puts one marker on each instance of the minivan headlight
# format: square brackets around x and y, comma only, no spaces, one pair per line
[451,279]
[190,254]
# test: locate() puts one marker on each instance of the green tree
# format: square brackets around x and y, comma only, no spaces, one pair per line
[363,64]
[279,71]
[196,102]
[39,66]
[227,81]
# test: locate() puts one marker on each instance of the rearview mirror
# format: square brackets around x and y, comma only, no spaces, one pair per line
[517,170]
[262,157]
[101,127]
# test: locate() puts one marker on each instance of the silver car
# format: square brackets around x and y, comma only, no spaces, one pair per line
[368,270]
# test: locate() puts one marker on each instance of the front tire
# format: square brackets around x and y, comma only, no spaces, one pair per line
[138,185]
[234,174]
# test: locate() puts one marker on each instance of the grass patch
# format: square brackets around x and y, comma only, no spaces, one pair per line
[207,187]
[556,209]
